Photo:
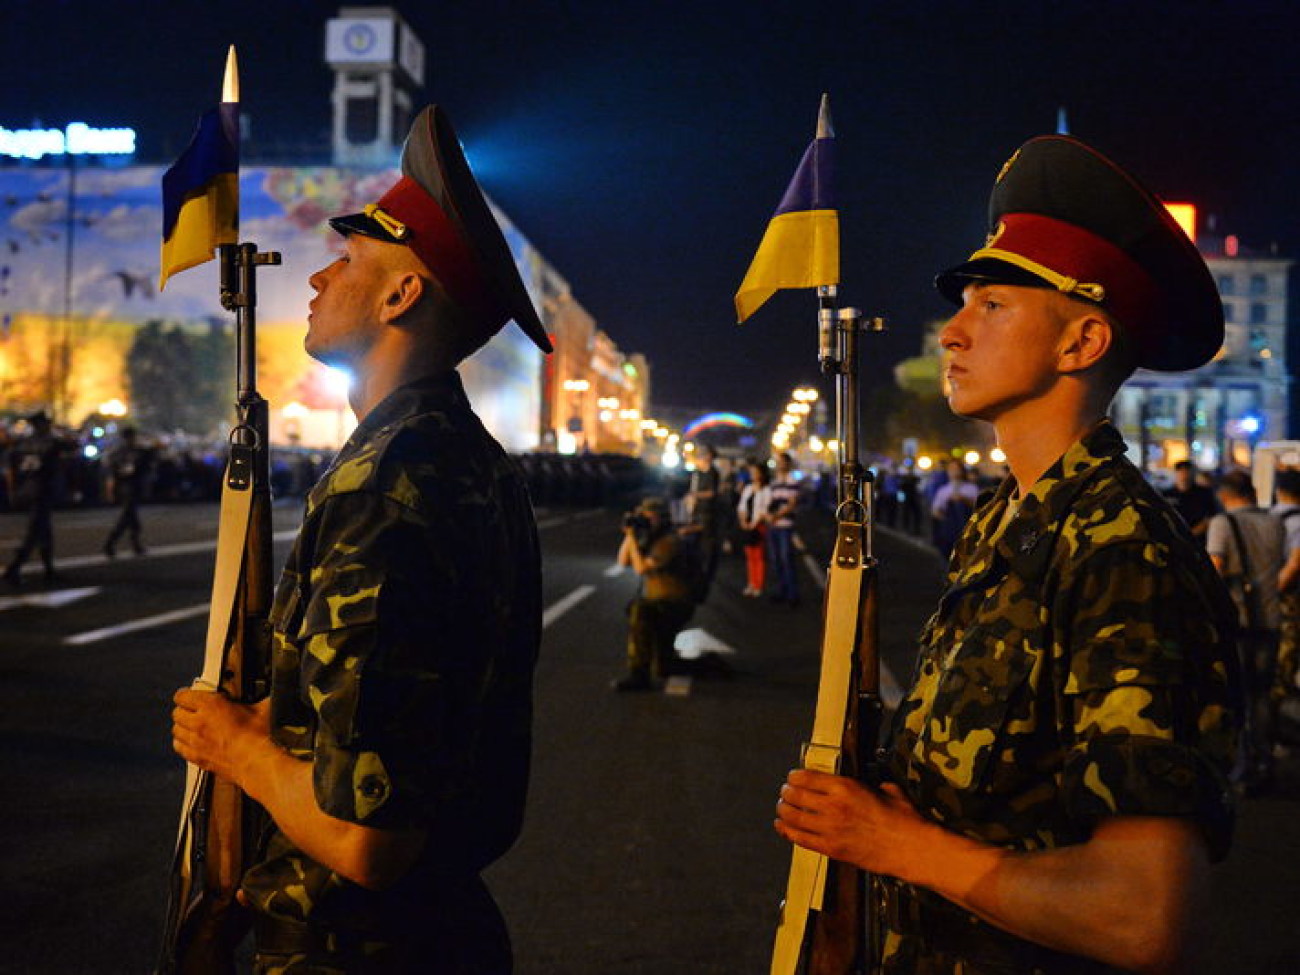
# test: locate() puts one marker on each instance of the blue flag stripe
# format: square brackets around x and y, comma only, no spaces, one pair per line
[213,150]
[813,185]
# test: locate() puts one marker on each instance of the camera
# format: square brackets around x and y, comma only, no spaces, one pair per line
[636,521]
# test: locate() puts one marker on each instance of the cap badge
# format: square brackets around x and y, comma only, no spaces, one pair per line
[391,224]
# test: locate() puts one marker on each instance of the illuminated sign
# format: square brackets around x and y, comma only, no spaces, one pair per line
[78,139]
[1184,215]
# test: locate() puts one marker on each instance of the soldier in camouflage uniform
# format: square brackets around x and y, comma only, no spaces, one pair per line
[33,472]
[393,753]
[1059,769]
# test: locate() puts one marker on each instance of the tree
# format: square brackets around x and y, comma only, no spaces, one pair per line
[179,379]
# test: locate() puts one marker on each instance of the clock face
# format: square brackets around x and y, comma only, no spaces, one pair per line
[359,39]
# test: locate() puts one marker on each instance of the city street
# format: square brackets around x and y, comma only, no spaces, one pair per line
[648,846]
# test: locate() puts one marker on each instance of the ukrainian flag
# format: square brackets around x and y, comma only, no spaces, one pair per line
[201,191]
[801,248]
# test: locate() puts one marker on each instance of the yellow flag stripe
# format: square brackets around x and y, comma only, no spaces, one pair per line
[205,220]
[799,250]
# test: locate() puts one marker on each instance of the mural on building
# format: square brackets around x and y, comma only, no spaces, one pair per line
[79,277]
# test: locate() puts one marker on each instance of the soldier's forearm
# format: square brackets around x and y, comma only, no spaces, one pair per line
[1126,897]
[372,858]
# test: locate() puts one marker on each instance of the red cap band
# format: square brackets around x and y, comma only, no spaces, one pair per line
[1077,262]
[434,239]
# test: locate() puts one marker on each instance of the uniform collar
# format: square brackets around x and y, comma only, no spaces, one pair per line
[1025,543]
[442,390]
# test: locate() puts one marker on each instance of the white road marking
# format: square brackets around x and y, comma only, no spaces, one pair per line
[553,613]
[566,603]
[614,571]
[48,600]
[154,551]
[133,626]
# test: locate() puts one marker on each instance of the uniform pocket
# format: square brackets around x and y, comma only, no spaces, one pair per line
[336,636]
[976,687]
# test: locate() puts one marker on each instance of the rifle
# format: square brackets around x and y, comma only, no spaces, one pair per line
[219,825]
[826,921]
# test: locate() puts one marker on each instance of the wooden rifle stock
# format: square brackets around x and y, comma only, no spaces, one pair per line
[220,826]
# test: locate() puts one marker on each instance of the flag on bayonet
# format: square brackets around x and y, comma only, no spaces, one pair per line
[201,191]
[801,248]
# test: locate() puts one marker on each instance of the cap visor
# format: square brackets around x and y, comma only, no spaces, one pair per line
[359,223]
[989,270]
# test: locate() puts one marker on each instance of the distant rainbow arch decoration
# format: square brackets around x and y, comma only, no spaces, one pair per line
[711,420]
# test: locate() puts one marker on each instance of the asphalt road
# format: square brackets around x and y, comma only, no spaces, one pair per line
[647,847]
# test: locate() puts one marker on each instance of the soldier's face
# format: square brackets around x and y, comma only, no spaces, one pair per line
[1001,349]
[343,319]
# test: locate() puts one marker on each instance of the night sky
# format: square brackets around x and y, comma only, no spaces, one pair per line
[643,146]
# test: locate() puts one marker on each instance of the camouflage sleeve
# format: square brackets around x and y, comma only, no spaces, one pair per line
[384,663]
[1145,699]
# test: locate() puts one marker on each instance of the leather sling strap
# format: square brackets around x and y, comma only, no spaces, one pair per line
[232,537]
[806,887]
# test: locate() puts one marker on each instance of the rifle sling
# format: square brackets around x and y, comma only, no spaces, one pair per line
[232,537]
[806,887]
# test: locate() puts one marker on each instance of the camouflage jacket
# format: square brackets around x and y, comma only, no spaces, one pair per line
[1081,664]
[406,627]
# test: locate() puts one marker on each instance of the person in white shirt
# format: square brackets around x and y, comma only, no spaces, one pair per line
[755,498]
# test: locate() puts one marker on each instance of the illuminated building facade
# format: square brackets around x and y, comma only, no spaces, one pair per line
[594,395]
[1215,415]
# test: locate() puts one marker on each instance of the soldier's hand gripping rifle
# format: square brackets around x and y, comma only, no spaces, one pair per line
[827,927]
[219,824]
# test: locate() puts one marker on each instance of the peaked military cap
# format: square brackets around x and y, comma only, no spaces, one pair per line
[1062,215]
[437,209]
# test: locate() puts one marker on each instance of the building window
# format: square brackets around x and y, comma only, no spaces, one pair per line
[1227,284]
[1229,311]
[1259,284]
[1258,313]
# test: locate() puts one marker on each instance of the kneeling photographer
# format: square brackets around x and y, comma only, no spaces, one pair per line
[665,603]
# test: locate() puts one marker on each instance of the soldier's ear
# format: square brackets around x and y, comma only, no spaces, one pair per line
[406,289]
[1085,339]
